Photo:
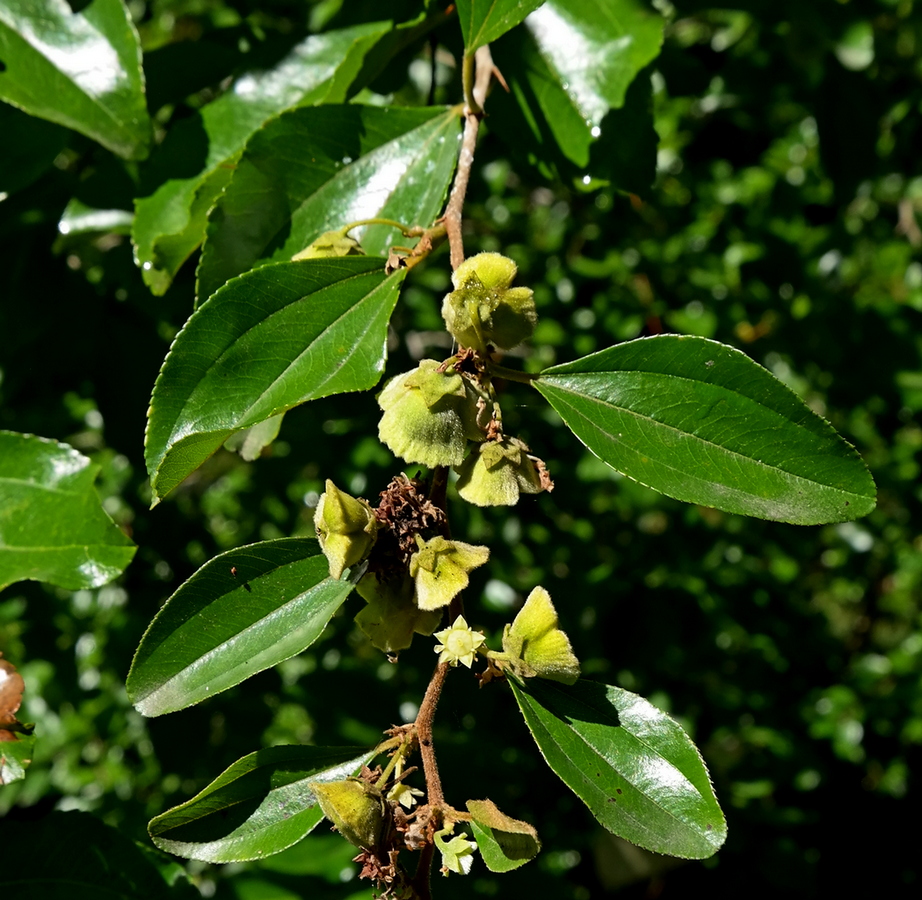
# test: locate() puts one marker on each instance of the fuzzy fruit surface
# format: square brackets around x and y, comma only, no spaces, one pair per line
[430,415]
[484,310]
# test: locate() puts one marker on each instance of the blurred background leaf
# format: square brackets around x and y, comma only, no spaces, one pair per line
[783,219]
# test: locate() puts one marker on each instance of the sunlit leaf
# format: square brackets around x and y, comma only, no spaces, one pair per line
[260,805]
[170,223]
[483,21]
[631,764]
[569,69]
[52,527]
[274,338]
[79,69]
[701,422]
[242,612]
[316,169]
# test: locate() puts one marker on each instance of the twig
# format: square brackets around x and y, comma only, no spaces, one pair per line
[424,718]
[475,92]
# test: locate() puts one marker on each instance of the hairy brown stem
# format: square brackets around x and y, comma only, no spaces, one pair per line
[420,883]
[475,92]
[424,719]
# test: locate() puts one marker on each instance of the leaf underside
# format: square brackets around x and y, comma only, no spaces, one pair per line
[260,805]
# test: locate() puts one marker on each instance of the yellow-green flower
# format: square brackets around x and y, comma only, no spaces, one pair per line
[439,569]
[457,854]
[391,618]
[404,794]
[535,643]
[430,415]
[496,472]
[459,643]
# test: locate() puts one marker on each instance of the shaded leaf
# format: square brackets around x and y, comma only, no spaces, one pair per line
[631,764]
[242,612]
[315,169]
[73,856]
[170,223]
[259,806]
[15,757]
[483,21]
[701,422]
[52,527]
[251,442]
[275,337]
[568,69]
[504,843]
[28,148]
[82,70]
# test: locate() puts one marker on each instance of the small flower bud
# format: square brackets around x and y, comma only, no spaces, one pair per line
[483,309]
[537,645]
[440,569]
[496,472]
[346,529]
[354,807]
[429,416]
[391,618]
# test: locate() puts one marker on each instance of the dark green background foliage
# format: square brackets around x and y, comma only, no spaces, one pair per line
[782,220]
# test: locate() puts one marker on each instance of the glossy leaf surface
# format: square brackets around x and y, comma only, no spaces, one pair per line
[630,763]
[701,422]
[74,856]
[316,169]
[483,21]
[259,806]
[242,612]
[273,338]
[82,70]
[170,223]
[569,69]
[52,527]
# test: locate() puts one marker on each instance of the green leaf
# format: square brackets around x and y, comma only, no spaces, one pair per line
[242,612]
[28,149]
[73,856]
[52,527]
[568,69]
[316,169]
[271,339]
[170,223]
[78,218]
[632,765]
[259,806]
[15,757]
[483,21]
[82,70]
[701,422]
[504,843]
